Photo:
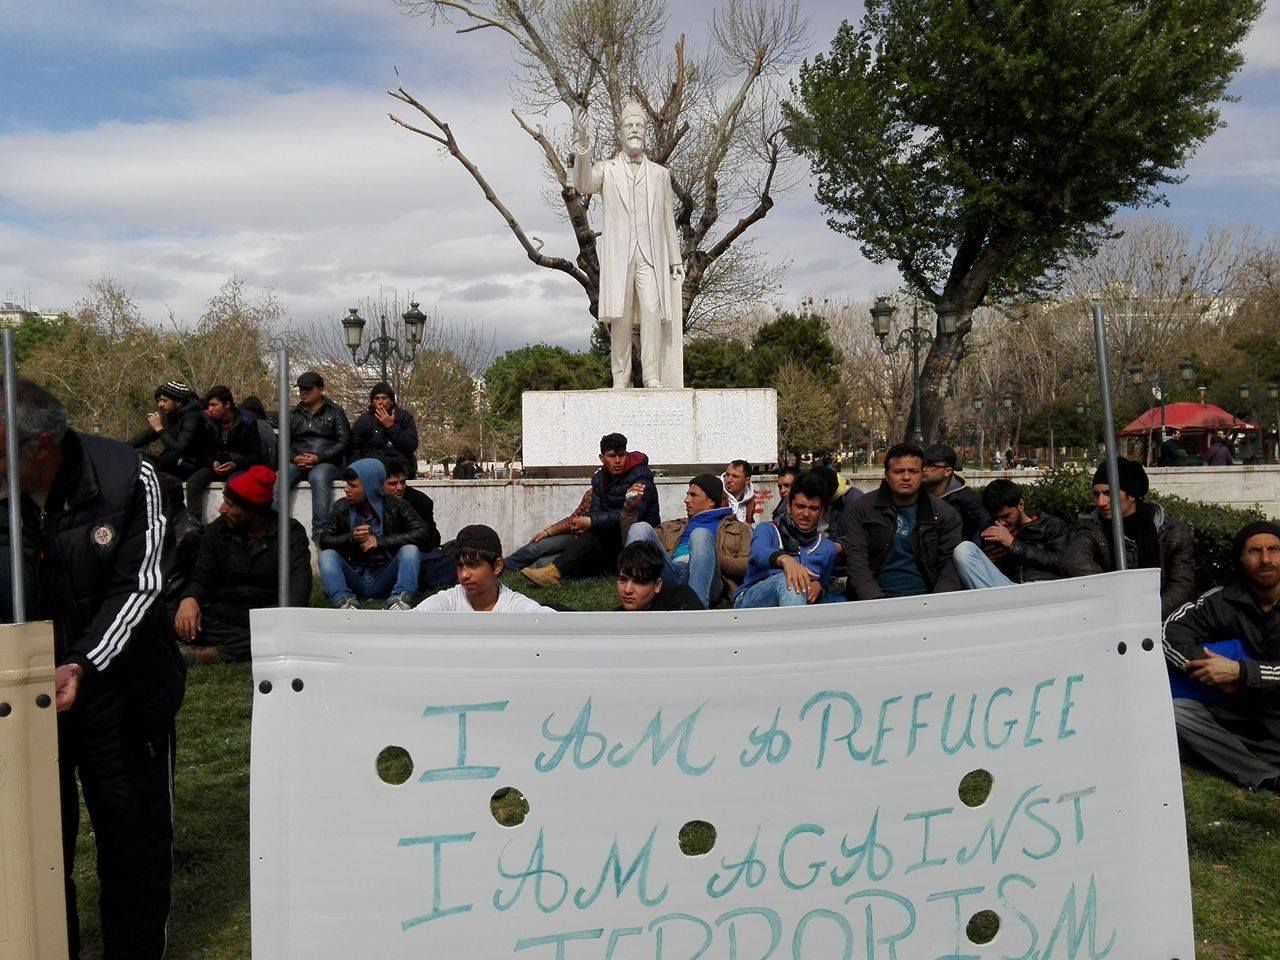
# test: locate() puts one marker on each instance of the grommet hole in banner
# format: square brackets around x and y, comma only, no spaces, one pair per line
[696,838]
[1148,644]
[1122,648]
[508,806]
[983,927]
[975,788]
[394,765]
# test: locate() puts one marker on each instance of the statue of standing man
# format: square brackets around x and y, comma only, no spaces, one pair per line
[641,271]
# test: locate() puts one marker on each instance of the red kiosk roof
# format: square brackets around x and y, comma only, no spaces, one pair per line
[1186,415]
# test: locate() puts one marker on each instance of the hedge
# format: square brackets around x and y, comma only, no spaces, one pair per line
[1065,492]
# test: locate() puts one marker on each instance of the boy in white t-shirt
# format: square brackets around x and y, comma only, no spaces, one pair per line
[477,552]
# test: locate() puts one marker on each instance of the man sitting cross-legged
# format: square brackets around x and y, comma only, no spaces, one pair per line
[235,571]
[1017,548]
[707,549]
[371,545]
[477,553]
[1228,641]
[642,585]
[597,534]
[791,561]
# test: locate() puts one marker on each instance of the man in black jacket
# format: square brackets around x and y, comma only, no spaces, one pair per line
[1152,538]
[598,532]
[1232,720]
[371,545]
[1017,548]
[900,538]
[236,446]
[319,438]
[384,430]
[437,568]
[237,569]
[180,425]
[943,481]
[93,531]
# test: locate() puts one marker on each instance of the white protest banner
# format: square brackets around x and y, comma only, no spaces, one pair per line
[826,746]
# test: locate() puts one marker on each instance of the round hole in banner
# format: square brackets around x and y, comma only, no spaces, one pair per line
[983,926]
[43,701]
[5,709]
[696,838]
[1148,644]
[1122,648]
[509,807]
[394,765]
[975,788]
[264,686]
[297,684]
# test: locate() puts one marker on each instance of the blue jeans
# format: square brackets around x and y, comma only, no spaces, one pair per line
[321,477]
[701,571]
[772,591]
[976,569]
[341,580]
[538,554]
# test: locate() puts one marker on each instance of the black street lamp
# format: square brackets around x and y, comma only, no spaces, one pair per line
[384,347]
[914,337]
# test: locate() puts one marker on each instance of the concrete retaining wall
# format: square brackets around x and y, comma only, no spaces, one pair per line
[518,509]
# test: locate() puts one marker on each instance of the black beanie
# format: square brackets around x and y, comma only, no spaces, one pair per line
[382,388]
[1252,530]
[1133,478]
[710,485]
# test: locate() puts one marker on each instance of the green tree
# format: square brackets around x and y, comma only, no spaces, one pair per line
[540,367]
[978,146]
[712,362]
[806,409]
[802,338]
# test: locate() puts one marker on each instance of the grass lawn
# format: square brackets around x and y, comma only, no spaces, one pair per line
[1234,836]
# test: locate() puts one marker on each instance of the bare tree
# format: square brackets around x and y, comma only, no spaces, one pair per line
[714,121]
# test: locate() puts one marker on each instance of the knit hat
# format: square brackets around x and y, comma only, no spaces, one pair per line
[175,390]
[1252,530]
[477,537]
[710,485]
[384,388]
[1133,478]
[254,489]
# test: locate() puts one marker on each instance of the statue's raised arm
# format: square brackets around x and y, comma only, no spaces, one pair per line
[586,178]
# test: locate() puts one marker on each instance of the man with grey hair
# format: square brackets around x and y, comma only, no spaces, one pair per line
[641,271]
[92,533]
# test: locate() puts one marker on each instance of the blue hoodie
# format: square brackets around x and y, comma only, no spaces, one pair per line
[766,543]
[372,474]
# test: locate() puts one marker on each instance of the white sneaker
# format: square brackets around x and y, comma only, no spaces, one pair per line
[399,601]
[350,603]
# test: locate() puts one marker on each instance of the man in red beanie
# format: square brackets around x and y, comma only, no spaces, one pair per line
[237,571]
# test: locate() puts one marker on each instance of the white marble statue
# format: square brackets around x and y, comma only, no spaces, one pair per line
[641,272]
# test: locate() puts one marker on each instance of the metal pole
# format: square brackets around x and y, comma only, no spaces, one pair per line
[11,442]
[282,481]
[1108,434]
[918,434]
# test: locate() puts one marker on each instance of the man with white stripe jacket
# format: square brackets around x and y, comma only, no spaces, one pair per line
[1228,642]
[93,533]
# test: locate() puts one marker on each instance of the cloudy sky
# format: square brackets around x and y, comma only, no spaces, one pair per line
[171,143]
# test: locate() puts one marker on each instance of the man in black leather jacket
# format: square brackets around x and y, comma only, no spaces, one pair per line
[385,431]
[93,532]
[185,434]
[371,545]
[1017,547]
[319,438]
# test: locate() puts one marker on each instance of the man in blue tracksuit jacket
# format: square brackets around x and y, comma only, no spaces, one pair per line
[791,561]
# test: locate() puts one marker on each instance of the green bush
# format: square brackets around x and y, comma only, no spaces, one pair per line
[1065,492]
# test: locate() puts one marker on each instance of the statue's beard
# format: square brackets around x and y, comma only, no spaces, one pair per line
[634,145]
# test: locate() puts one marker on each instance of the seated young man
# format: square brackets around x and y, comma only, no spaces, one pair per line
[786,477]
[942,480]
[1152,537]
[435,569]
[371,545]
[236,569]
[1229,642]
[703,549]
[791,561]
[477,554]
[597,534]
[549,542]
[899,539]
[738,491]
[642,586]
[1017,548]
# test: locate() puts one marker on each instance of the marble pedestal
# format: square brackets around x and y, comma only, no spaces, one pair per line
[678,429]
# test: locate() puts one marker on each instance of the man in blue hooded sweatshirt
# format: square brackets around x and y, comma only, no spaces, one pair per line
[371,545]
[791,561]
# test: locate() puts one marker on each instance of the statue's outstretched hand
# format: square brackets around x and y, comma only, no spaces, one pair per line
[580,127]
